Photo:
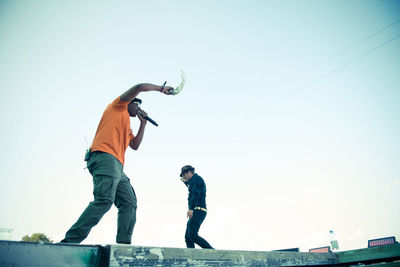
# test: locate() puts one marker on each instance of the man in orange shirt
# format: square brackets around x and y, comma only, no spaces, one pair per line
[105,162]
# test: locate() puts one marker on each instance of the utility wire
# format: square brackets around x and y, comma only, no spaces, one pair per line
[357,43]
[333,71]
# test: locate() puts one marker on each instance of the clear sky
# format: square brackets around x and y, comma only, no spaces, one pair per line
[290,113]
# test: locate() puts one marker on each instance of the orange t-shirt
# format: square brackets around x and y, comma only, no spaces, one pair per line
[114,131]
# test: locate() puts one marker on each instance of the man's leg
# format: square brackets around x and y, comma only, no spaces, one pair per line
[188,239]
[193,228]
[104,192]
[106,172]
[125,200]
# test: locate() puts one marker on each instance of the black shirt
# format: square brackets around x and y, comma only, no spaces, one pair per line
[197,192]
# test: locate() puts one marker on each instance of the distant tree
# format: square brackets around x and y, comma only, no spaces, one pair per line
[37,237]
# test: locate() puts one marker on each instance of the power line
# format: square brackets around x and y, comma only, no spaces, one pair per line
[357,43]
[333,71]
[6,233]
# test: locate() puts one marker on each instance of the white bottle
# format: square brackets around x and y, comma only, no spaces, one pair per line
[334,243]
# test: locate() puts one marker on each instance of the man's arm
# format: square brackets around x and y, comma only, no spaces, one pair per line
[133,92]
[185,182]
[189,213]
[135,142]
[195,194]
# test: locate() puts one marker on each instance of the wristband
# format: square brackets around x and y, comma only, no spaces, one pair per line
[163,87]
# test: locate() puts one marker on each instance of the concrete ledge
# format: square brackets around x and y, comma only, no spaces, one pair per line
[370,255]
[18,254]
[123,255]
[45,254]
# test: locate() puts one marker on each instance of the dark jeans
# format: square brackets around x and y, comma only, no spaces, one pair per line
[110,186]
[192,229]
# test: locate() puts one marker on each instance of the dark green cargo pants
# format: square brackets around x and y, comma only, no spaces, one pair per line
[110,185]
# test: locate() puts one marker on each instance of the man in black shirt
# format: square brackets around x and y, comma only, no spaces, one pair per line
[197,206]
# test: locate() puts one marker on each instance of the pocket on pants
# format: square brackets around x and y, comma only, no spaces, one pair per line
[105,164]
[199,216]
[102,187]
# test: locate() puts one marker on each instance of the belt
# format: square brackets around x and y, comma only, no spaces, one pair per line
[200,208]
[98,152]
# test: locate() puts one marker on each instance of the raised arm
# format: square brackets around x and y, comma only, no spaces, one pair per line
[133,92]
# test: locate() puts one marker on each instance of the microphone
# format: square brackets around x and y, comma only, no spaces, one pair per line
[147,118]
